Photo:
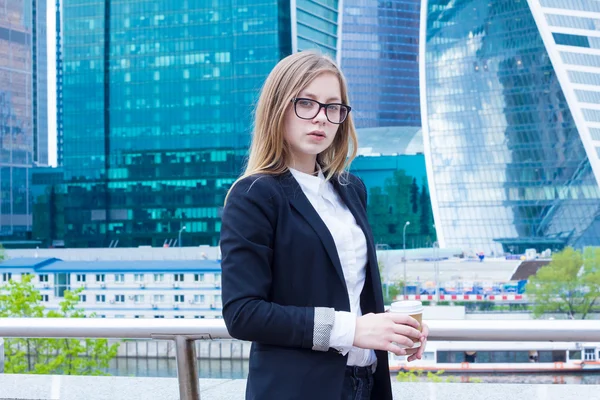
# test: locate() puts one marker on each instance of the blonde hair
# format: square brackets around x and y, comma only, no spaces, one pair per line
[269,153]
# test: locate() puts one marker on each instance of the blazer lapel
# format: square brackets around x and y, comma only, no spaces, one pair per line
[352,201]
[300,202]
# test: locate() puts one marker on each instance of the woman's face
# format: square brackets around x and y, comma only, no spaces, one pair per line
[313,133]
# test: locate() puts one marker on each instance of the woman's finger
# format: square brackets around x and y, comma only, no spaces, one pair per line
[397,350]
[419,354]
[402,341]
[425,331]
[406,330]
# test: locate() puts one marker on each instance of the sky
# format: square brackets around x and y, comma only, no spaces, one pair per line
[51,36]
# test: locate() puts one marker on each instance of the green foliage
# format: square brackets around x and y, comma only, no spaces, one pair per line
[414,196]
[417,375]
[391,291]
[50,356]
[569,284]
[425,218]
[489,306]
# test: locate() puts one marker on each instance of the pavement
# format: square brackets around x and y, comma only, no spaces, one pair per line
[53,387]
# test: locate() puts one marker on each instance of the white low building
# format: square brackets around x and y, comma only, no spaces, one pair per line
[126,289]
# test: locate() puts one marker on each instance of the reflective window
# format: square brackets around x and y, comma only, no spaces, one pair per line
[595,133]
[588,60]
[586,78]
[571,40]
[568,21]
[591,115]
[579,5]
[587,96]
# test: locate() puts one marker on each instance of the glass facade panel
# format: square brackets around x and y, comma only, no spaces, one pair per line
[591,115]
[23,110]
[587,96]
[40,82]
[380,59]
[509,170]
[568,21]
[585,78]
[156,113]
[571,40]
[587,60]
[579,5]
[595,132]
[317,25]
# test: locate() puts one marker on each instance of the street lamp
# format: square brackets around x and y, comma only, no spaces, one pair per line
[179,239]
[436,270]
[404,247]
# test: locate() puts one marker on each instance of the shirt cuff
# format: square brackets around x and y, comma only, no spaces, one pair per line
[324,321]
[342,334]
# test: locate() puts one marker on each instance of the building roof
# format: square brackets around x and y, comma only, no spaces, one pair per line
[141,253]
[27,262]
[527,269]
[53,265]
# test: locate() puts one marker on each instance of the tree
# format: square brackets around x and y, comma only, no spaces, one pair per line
[414,196]
[50,356]
[425,220]
[569,284]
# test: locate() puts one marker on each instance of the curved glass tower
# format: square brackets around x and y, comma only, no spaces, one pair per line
[510,99]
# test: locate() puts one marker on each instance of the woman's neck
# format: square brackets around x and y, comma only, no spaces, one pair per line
[308,165]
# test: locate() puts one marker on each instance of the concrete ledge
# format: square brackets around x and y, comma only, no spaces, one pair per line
[55,387]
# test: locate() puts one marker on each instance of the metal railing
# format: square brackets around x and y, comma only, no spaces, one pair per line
[185,332]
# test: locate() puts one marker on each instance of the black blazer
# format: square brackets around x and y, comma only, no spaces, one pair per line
[279,261]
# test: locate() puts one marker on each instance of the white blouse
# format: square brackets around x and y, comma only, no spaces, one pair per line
[351,246]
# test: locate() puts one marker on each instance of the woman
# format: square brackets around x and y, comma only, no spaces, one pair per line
[300,277]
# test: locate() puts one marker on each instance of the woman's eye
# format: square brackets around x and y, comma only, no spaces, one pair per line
[334,108]
[305,103]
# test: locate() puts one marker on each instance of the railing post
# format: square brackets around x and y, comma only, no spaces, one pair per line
[187,363]
[187,368]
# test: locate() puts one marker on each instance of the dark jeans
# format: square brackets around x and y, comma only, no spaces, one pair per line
[358,383]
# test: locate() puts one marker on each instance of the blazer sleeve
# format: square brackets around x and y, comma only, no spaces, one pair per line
[247,237]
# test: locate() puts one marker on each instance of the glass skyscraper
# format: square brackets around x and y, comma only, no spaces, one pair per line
[157,98]
[380,58]
[40,82]
[314,25]
[380,52]
[510,96]
[23,110]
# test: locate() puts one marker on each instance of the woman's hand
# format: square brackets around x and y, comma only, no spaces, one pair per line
[420,350]
[386,331]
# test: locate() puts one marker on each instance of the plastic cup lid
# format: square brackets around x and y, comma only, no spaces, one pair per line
[407,307]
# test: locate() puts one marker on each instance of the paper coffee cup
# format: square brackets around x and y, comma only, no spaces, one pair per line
[412,308]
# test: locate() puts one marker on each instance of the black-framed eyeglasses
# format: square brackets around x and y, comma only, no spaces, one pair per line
[336,113]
